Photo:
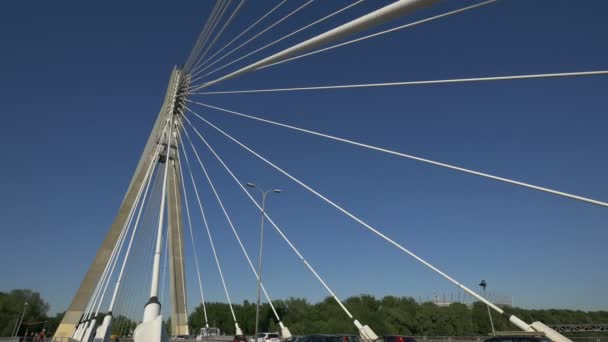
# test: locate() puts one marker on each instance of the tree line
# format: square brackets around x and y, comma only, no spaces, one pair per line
[35,313]
[386,315]
[36,317]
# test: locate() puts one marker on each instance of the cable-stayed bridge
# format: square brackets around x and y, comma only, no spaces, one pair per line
[141,260]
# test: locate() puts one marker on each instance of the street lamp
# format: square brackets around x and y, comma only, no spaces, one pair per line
[257,307]
[483,285]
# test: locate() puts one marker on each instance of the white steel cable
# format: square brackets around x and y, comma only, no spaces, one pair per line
[410,83]
[221,203]
[224,5]
[85,314]
[126,289]
[217,36]
[126,302]
[77,334]
[164,276]
[409,156]
[401,27]
[122,241]
[195,48]
[200,205]
[202,36]
[148,179]
[159,237]
[295,250]
[356,219]
[219,18]
[153,159]
[247,42]
[128,308]
[106,275]
[241,34]
[286,36]
[194,251]
[133,287]
[151,166]
[385,14]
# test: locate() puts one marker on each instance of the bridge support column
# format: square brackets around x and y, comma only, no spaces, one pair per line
[175,236]
[74,312]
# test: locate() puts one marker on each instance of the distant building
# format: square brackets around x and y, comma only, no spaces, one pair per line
[463,298]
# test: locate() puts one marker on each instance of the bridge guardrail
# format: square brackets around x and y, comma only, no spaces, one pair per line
[482,338]
[418,338]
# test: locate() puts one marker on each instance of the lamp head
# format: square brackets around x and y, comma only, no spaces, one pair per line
[251,185]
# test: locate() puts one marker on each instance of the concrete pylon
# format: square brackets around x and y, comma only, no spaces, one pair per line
[87,286]
[175,236]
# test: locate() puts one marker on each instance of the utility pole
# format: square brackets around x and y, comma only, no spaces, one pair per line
[483,285]
[257,307]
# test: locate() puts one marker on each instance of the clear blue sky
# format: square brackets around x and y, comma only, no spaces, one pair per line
[82,82]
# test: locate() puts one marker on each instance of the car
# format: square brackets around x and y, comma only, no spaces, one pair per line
[344,338]
[398,338]
[208,332]
[292,339]
[520,337]
[267,337]
[239,338]
[329,338]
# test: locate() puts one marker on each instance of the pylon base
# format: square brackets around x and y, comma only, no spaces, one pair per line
[88,334]
[104,330]
[151,331]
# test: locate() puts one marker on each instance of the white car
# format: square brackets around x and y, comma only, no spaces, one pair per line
[208,332]
[267,337]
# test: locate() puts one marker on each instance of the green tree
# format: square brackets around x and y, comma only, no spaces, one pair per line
[12,305]
[387,315]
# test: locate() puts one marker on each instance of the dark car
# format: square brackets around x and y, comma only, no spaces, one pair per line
[398,338]
[239,338]
[518,338]
[329,338]
[345,338]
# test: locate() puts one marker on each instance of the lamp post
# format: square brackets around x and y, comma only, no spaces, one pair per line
[483,285]
[20,320]
[257,307]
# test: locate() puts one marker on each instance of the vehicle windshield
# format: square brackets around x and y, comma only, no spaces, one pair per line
[273,335]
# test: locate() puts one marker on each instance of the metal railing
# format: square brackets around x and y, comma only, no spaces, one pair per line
[482,338]
[211,339]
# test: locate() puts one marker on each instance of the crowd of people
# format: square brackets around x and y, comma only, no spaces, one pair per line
[35,336]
